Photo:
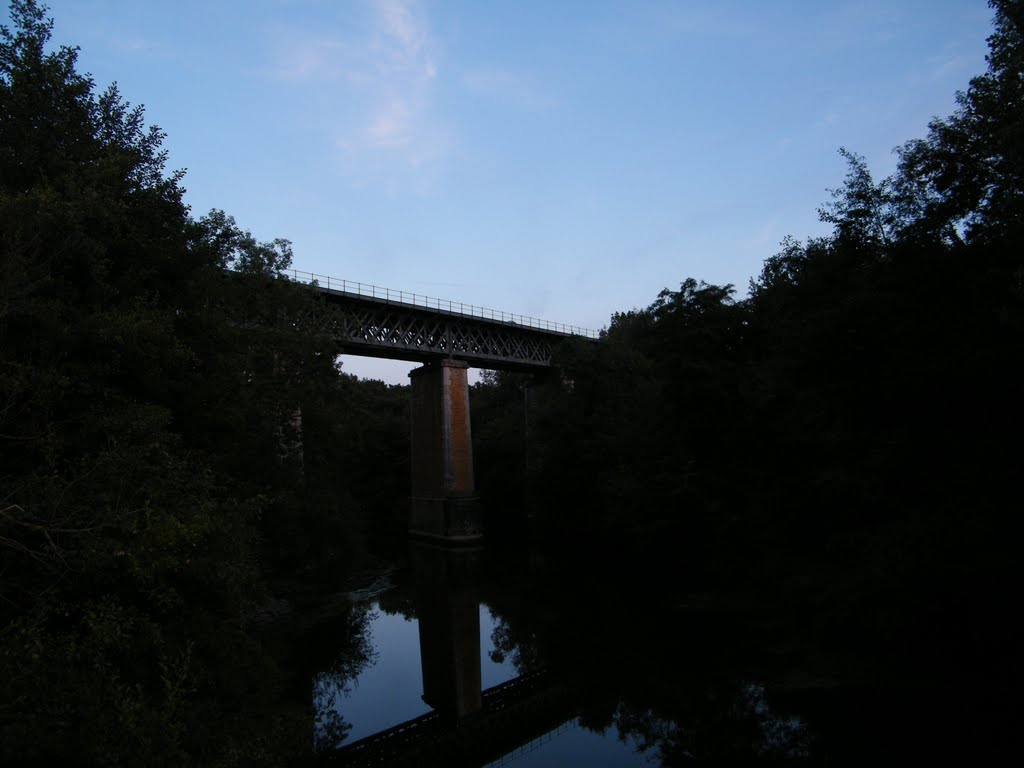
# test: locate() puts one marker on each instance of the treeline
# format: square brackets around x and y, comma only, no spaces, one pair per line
[175,435]
[845,440]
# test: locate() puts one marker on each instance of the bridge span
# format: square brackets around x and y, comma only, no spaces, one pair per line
[382,322]
[447,337]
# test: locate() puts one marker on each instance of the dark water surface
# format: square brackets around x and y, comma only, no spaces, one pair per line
[479,658]
[495,660]
[390,691]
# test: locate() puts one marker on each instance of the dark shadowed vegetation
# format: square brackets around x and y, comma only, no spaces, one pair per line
[174,438]
[181,455]
[842,443]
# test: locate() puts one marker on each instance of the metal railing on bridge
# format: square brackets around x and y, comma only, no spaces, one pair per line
[390,295]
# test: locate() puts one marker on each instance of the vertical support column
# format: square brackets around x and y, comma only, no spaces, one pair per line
[444,503]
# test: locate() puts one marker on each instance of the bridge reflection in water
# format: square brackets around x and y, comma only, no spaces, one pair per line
[467,726]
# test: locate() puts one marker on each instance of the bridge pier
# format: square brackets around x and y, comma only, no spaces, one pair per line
[444,505]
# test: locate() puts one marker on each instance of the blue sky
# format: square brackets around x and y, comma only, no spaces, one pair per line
[558,159]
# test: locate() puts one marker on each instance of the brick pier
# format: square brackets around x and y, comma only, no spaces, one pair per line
[444,502]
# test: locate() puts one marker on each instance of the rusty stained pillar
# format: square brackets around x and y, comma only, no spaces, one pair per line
[444,503]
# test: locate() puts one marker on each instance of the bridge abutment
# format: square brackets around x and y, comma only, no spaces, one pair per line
[444,504]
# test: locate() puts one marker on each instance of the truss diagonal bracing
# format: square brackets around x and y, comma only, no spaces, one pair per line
[403,331]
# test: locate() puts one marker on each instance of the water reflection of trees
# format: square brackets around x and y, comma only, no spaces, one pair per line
[507,645]
[677,685]
[355,653]
[741,726]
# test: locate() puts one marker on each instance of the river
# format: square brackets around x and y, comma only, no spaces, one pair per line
[529,658]
[472,657]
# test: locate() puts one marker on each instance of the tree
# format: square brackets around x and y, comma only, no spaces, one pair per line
[967,176]
[126,550]
[237,249]
[861,211]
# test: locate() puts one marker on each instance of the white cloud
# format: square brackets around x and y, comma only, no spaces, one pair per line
[374,78]
[302,58]
[405,27]
[504,85]
[391,125]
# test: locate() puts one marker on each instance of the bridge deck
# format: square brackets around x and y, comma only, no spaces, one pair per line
[457,310]
[381,322]
[357,290]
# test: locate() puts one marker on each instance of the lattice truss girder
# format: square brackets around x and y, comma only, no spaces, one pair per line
[386,327]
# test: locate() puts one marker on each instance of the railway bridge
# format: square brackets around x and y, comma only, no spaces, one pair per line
[447,337]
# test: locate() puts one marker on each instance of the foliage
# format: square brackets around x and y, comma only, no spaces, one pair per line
[175,432]
[841,441]
[153,416]
[966,175]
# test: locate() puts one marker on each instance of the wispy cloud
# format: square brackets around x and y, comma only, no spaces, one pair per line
[390,39]
[376,77]
[144,48]
[390,126]
[302,58]
[942,67]
[139,45]
[512,87]
[407,42]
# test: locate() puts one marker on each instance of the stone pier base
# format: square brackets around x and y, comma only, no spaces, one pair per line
[455,520]
[444,504]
